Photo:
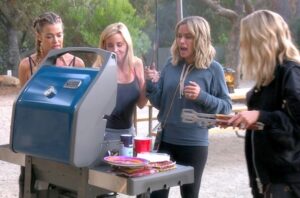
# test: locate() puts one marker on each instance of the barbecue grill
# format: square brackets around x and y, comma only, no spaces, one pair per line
[57,133]
[58,115]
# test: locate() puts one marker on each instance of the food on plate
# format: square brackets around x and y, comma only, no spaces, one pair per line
[163,166]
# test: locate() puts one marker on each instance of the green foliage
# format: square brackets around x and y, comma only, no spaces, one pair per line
[167,20]
[295,28]
[83,21]
[223,38]
[90,19]
[220,27]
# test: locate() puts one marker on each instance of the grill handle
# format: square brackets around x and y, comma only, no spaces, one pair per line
[51,57]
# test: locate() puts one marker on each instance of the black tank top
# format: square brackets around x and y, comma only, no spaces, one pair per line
[127,97]
[32,63]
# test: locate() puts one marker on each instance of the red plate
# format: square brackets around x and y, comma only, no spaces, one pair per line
[126,161]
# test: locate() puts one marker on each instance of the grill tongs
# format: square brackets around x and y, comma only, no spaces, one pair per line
[211,120]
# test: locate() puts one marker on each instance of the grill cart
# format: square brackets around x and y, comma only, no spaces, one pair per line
[57,133]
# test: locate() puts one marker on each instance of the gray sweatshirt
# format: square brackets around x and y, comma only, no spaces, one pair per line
[213,98]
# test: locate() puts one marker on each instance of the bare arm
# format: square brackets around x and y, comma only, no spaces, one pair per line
[24,71]
[139,68]
[79,62]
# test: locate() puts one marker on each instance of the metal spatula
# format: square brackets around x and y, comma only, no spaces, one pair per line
[211,120]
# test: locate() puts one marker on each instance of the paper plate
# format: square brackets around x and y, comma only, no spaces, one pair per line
[154,157]
[125,161]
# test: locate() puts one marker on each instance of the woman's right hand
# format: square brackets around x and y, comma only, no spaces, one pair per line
[151,74]
[244,119]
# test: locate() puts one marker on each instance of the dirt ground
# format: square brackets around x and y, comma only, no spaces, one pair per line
[225,174]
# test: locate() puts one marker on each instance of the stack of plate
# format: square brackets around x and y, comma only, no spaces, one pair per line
[130,166]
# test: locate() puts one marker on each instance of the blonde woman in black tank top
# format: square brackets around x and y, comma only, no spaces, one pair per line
[130,75]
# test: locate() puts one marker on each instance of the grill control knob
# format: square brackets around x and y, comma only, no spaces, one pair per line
[50,92]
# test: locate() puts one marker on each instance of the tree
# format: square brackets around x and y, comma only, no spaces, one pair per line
[12,20]
[241,7]
[16,18]
[83,20]
[290,10]
[90,19]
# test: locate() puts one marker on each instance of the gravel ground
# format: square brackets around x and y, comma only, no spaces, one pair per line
[225,174]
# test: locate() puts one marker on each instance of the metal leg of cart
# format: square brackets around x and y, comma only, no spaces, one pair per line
[44,190]
[28,188]
[51,179]
[48,179]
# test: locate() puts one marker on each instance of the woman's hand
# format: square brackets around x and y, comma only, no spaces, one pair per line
[243,119]
[192,90]
[151,74]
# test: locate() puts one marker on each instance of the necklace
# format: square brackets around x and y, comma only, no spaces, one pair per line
[185,71]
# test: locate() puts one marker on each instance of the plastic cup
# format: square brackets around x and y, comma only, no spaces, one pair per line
[142,144]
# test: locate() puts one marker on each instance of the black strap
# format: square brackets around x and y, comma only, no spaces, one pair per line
[31,64]
[72,63]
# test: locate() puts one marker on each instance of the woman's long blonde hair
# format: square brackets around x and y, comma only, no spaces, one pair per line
[204,52]
[265,41]
[113,29]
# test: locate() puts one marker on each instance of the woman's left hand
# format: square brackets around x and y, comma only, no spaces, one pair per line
[192,90]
